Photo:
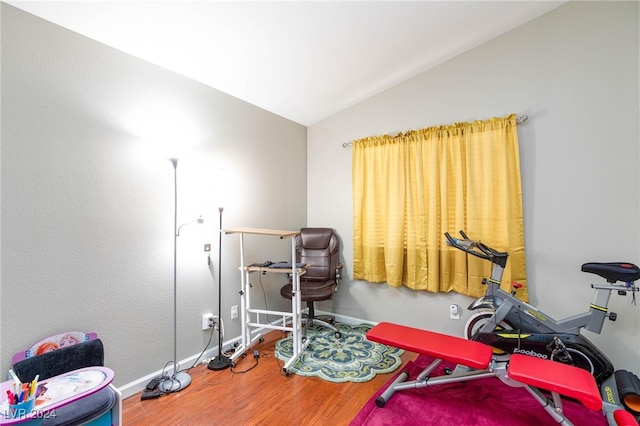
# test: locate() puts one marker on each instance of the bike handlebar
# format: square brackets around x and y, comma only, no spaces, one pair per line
[477,248]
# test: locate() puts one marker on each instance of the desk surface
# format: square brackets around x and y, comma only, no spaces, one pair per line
[260,231]
[299,271]
[57,391]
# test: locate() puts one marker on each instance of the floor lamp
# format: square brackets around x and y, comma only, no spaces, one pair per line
[220,362]
[178,379]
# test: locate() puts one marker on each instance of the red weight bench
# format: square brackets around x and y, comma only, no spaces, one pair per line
[475,360]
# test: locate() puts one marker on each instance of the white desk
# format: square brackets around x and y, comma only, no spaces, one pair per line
[246,311]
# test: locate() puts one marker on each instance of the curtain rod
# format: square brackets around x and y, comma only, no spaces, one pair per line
[519,120]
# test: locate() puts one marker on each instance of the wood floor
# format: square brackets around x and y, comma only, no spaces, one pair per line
[261,396]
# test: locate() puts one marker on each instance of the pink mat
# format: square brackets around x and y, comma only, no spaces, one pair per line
[482,402]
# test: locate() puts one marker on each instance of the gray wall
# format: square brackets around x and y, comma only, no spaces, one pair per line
[87,196]
[574,72]
[87,205]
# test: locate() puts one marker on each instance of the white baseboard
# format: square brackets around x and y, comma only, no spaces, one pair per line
[345,319]
[132,388]
[138,385]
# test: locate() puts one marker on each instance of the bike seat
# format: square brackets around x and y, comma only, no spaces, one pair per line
[613,271]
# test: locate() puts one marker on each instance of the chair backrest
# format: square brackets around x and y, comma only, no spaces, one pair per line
[318,248]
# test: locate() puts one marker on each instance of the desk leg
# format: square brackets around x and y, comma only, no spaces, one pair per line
[245,304]
[295,320]
[296,310]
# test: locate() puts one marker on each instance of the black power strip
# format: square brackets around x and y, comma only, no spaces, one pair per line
[153,384]
[150,395]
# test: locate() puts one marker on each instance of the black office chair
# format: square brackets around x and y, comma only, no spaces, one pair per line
[318,249]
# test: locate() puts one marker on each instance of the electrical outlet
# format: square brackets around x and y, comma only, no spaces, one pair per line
[207,248]
[234,312]
[207,321]
[454,311]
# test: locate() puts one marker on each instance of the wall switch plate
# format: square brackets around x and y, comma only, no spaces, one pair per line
[234,312]
[454,311]
[206,320]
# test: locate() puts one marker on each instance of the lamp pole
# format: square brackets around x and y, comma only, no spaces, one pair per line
[179,379]
[220,362]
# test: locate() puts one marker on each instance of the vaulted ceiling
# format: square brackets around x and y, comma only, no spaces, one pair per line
[303,60]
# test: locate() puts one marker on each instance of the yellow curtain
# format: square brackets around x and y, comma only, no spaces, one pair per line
[411,188]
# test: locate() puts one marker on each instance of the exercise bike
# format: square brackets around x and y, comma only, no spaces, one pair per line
[510,325]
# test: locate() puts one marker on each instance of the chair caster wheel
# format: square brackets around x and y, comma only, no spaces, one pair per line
[286,372]
[338,334]
[261,340]
[448,370]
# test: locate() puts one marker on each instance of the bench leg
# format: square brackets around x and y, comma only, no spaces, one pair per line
[388,393]
[552,406]
[423,380]
[398,383]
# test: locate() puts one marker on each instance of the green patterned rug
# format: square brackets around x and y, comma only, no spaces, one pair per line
[351,358]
